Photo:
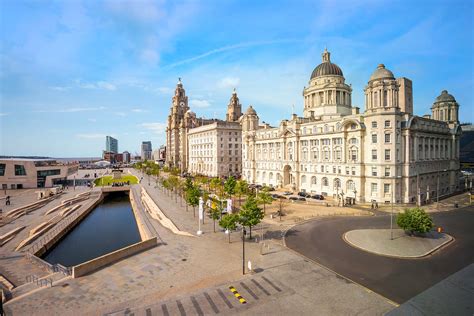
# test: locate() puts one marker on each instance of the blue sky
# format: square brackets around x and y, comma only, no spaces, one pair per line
[72,72]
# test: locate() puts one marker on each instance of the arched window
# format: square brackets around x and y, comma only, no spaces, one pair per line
[353,153]
[337,183]
[303,179]
[325,182]
[326,154]
[313,180]
[337,153]
[326,128]
[264,174]
[350,186]
[270,177]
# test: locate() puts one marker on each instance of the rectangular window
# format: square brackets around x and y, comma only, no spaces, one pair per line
[374,138]
[353,171]
[347,170]
[387,123]
[373,188]
[2,169]
[20,170]
[386,188]
[374,171]
[387,154]
[387,138]
[374,124]
[387,171]
[374,154]
[333,169]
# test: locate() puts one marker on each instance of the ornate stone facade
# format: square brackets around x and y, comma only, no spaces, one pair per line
[335,150]
[210,147]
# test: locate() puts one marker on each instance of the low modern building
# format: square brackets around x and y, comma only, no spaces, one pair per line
[25,173]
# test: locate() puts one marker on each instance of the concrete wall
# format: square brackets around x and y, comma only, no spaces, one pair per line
[143,229]
[112,257]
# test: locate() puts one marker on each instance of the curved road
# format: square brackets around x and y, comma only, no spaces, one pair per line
[396,279]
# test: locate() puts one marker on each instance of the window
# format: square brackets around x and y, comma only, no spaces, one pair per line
[387,123]
[322,168]
[45,173]
[374,171]
[373,188]
[353,154]
[333,169]
[325,182]
[353,126]
[347,170]
[2,169]
[387,171]
[374,138]
[386,188]
[387,154]
[374,124]
[353,171]
[374,154]
[313,180]
[387,138]
[20,170]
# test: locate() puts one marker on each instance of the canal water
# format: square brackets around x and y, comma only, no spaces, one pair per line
[109,227]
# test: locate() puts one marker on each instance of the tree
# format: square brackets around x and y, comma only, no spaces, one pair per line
[229,222]
[229,186]
[415,220]
[215,213]
[250,214]
[264,198]
[192,198]
[173,181]
[241,188]
[214,184]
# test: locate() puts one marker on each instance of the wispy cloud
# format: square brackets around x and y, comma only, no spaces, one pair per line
[228,82]
[230,48]
[121,114]
[72,110]
[156,127]
[92,120]
[139,110]
[3,114]
[99,85]
[91,136]
[199,103]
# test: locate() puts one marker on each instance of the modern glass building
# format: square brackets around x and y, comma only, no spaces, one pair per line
[111,144]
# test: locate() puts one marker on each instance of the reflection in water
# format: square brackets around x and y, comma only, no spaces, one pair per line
[110,226]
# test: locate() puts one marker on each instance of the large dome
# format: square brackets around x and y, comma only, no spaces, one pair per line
[326,68]
[445,97]
[381,73]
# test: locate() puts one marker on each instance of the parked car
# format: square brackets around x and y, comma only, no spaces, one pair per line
[317,197]
[301,198]
[276,196]
[293,198]
[302,193]
[287,193]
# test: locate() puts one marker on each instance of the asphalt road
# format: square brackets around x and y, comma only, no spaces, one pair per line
[396,279]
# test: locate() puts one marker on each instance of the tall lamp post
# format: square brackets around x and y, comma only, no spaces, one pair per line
[244,232]
[437,191]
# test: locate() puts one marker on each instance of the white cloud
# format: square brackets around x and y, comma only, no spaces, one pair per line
[3,114]
[105,85]
[92,135]
[150,55]
[92,120]
[140,11]
[139,110]
[157,127]
[72,110]
[228,82]
[122,114]
[199,103]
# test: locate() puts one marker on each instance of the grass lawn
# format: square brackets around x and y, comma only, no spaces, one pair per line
[108,180]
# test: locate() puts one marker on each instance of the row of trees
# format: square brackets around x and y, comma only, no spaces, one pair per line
[214,192]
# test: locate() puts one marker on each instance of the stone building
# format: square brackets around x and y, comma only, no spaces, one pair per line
[335,150]
[210,147]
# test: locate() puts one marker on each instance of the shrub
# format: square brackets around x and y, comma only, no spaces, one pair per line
[415,220]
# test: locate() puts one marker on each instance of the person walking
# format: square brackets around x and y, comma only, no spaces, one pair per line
[7,200]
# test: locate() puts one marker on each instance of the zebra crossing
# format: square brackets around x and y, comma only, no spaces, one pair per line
[213,301]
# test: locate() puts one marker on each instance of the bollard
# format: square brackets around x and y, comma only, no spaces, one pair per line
[440,229]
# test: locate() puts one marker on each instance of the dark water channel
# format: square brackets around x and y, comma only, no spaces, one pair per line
[110,226]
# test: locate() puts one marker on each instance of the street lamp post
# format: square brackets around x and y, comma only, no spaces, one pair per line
[244,232]
[391,212]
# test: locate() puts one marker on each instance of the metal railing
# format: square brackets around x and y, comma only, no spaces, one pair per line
[39,281]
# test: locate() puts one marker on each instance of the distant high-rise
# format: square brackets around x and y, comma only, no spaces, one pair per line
[146,150]
[111,144]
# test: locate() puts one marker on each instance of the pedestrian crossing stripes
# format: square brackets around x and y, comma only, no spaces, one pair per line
[236,294]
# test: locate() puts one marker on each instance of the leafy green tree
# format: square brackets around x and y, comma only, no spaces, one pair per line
[229,222]
[263,197]
[214,184]
[415,220]
[192,198]
[250,214]
[173,180]
[215,213]
[166,185]
[229,186]
[241,188]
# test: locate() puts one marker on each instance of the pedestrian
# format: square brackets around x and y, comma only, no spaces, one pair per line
[376,205]
[7,200]
[372,206]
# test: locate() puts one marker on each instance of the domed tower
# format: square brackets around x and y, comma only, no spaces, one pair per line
[327,94]
[179,106]
[445,108]
[384,92]
[234,109]
[249,120]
